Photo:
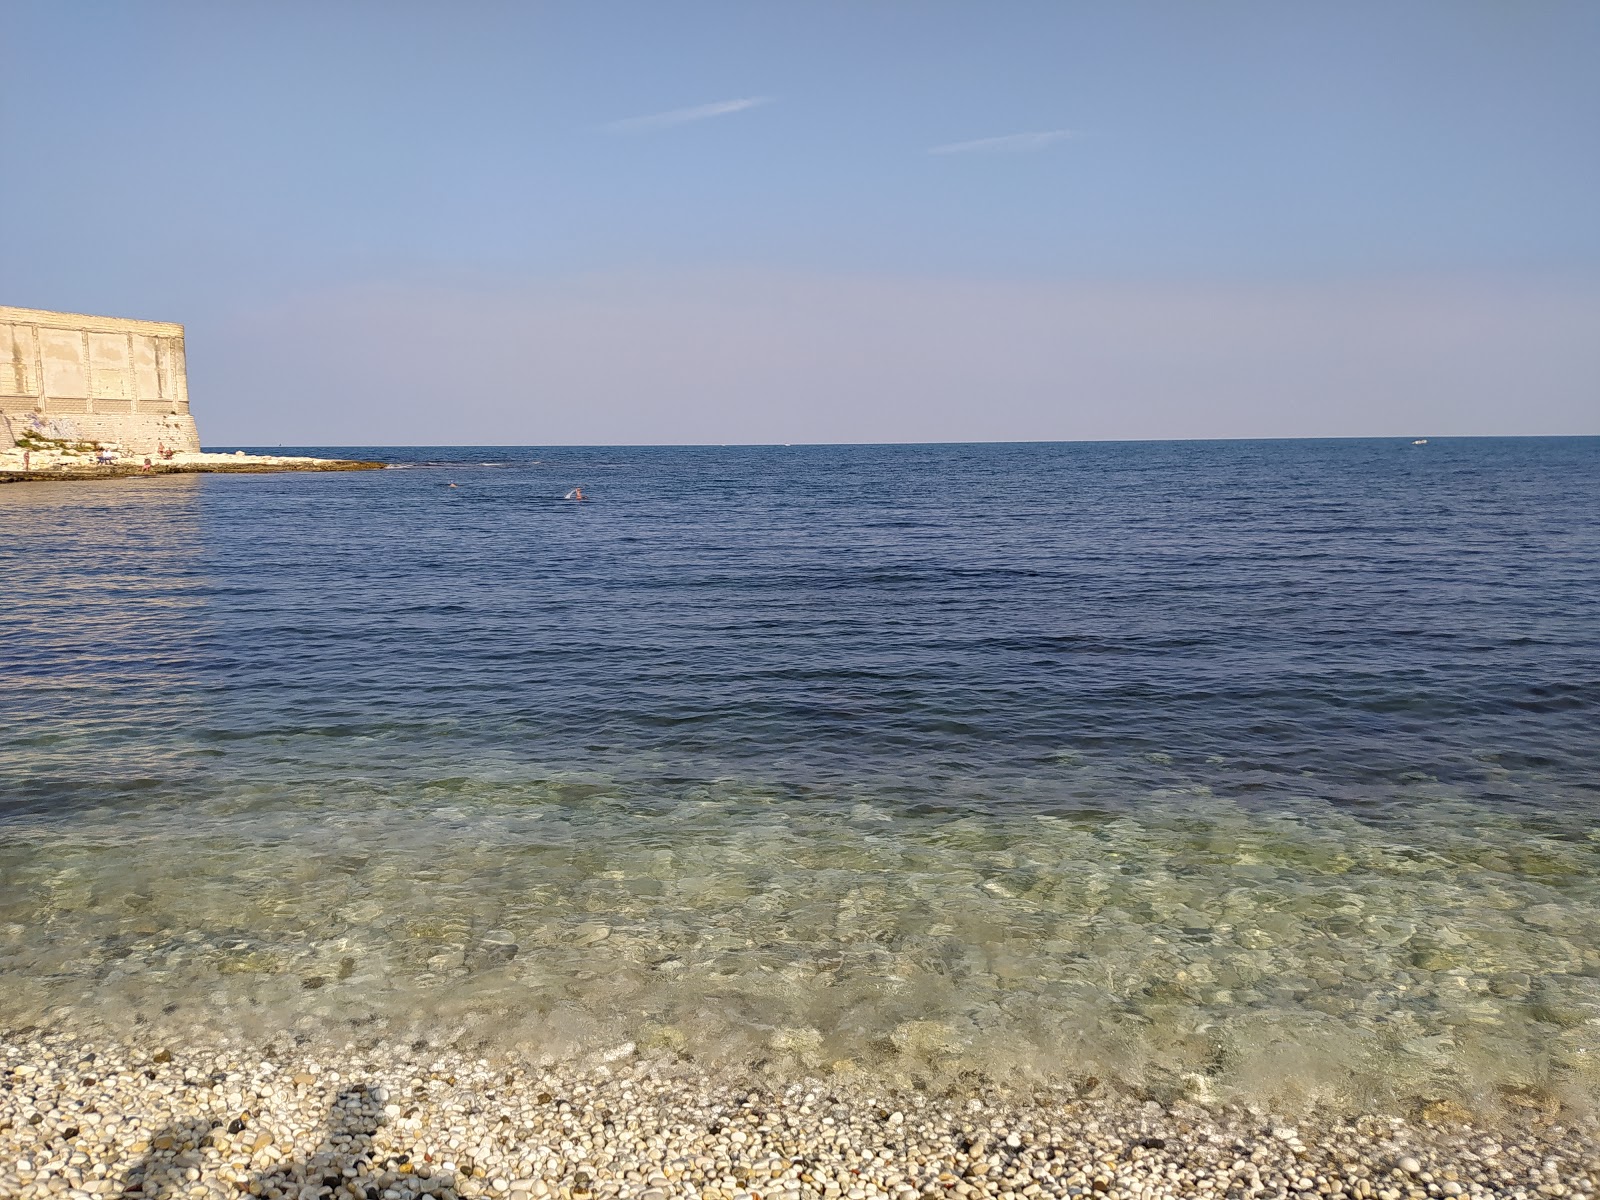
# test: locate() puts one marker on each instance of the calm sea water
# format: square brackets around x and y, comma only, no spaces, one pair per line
[1240,768]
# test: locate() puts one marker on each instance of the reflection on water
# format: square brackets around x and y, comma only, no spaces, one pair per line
[103,587]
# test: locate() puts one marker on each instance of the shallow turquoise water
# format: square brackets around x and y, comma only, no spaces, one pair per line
[1261,769]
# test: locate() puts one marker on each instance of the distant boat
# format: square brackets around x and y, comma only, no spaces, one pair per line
[1420,442]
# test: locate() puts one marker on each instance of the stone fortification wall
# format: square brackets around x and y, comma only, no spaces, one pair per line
[97,379]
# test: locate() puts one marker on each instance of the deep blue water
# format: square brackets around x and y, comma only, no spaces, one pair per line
[837,664]
[1358,609]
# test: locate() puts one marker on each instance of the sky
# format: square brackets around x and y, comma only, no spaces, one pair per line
[603,223]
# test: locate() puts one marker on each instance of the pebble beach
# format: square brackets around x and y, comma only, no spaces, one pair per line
[86,1119]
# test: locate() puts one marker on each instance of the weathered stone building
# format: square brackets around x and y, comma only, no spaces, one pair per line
[98,379]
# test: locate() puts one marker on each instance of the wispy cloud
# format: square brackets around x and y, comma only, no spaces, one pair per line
[1011,143]
[682,116]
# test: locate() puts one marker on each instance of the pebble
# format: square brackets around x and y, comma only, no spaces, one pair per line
[238,1122]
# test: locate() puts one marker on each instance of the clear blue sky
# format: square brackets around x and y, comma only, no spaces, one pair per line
[661,222]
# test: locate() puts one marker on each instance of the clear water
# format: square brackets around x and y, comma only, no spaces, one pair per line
[1260,769]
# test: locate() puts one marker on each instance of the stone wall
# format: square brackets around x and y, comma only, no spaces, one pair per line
[98,379]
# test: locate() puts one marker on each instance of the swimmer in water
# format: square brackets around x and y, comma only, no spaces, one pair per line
[575,494]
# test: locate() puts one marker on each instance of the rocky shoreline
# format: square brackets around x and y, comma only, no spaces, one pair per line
[85,1118]
[185,464]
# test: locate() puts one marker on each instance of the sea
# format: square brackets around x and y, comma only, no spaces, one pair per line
[1265,771]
